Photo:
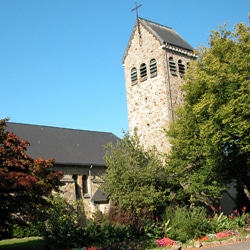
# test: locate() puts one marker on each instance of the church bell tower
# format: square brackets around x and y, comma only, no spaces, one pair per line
[154,62]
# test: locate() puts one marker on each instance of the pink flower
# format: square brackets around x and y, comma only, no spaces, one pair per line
[213,208]
[164,242]
[91,248]
[224,234]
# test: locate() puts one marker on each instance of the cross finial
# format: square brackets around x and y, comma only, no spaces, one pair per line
[136,9]
[137,19]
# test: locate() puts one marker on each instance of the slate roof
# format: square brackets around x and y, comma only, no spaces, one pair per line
[167,34]
[163,33]
[99,196]
[66,146]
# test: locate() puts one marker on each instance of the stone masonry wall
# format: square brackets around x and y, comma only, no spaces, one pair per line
[74,187]
[148,101]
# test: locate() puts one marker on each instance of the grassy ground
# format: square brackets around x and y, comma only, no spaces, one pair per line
[33,243]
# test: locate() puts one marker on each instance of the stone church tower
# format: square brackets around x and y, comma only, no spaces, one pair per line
[154,62]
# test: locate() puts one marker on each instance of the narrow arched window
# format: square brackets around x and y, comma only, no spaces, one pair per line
[143,72]
[134,76]
[172,66]
[85,184]
[181,67]
[77,188]
[153,68]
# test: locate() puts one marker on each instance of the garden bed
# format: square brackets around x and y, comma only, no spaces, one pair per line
[200,244]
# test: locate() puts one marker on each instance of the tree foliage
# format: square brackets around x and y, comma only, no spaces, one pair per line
[211,137]
[24,181]
[135,179]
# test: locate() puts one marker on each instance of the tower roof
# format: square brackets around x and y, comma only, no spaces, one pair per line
[164,34]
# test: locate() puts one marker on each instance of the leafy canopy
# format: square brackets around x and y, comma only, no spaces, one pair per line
[24,181]
[135,179]
[211,137]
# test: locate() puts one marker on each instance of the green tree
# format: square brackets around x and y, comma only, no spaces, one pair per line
[63,227]
[24,181]
[211,137]
[135,179]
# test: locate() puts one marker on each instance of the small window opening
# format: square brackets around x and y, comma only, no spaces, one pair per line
[153,68]
[172,66]
[143,72]
[181,67]
[77,188]
[188,65]
[85,184]
[134,76]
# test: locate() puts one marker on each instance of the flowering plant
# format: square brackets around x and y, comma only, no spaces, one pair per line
[224,234]
[165,242]
[203,238]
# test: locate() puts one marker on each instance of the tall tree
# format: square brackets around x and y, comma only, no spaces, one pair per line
[135,179]
[211,137]
[24,181]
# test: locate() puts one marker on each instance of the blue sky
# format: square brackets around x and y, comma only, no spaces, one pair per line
[60,60]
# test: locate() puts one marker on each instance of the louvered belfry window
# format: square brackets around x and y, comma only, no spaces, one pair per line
[172,66]
[143,72]
[134,76]
[181,67]
[153,68]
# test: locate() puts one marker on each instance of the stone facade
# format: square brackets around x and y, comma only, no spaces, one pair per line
[152,99]
[82,182]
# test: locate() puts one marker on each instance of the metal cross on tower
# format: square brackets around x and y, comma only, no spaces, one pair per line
[136,9]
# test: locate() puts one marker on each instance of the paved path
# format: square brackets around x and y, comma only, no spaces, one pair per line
[235,246]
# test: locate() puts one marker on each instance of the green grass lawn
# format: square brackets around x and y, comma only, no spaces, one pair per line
[32,243]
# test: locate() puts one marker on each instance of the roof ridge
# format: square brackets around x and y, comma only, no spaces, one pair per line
[55,127]
[165,26]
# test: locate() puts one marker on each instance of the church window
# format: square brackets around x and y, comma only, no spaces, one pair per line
[85,184]
[181,67]
[134,76]
[172,66]
[143,72]
[77,193]
[153,68]
[188,65]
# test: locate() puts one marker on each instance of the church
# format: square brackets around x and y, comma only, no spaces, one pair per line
[79,154]
[154,61]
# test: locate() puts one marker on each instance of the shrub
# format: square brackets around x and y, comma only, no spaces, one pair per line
[62,229]
[107,234]
[129,217]
[28,230]
[186,224]
[153,229]
[234,221]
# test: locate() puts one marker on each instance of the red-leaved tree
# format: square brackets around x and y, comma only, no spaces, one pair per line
[24,182]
